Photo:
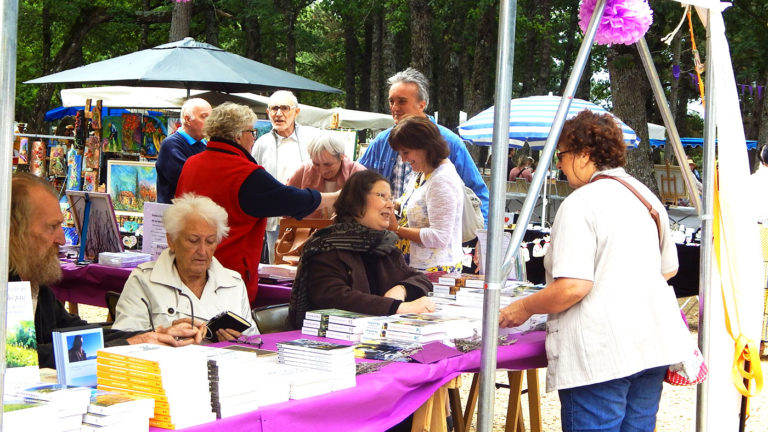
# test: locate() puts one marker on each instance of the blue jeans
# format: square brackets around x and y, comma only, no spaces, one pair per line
[626,404]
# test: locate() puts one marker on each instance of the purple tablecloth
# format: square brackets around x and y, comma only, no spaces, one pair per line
[380,400]
[88,285]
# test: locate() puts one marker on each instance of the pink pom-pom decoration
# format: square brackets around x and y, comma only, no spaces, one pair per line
[623,22]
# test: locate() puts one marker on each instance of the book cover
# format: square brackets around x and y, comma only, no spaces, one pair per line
[309,345]
[21,367]
[385,350]
[75,354]
[337,316]
[227,320]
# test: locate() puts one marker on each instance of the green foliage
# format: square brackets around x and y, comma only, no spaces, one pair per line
[16,356]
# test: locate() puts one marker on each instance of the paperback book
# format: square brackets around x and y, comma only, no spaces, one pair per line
[21,367]
[338,316]
[74,350]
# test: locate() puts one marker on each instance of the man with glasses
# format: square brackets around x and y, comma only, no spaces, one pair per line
[176,148]
[409,96]
[282,151]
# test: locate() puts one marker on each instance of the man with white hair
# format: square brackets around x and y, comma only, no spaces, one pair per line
[282,151]
[176,148]
[409,96]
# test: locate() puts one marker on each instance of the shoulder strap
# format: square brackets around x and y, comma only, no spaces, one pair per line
[652,211]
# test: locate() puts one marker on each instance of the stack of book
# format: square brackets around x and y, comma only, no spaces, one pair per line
[176,378]
[68,403]
[22,415]
[336,361]
[112,412]
[419,328]
[237,383]
[335,324]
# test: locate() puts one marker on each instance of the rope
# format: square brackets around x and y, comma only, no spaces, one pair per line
[699,66]
[744,348]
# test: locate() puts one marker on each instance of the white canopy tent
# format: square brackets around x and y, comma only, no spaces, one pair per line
[170,98]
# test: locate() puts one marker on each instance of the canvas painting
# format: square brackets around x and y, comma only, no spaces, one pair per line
[74,169]
[112,132]
[154,133]
[102,233]
[89,181]
[57,162]
[131,133]
[20,152]
[173,124]
[92,152]
[37,159]
[131,184]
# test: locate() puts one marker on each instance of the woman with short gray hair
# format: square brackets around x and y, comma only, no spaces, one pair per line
[228,174]
[327,170]
[186,281]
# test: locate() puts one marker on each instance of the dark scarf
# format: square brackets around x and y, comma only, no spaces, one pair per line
[344,236]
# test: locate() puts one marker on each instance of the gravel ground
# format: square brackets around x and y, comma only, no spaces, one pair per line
[677,411]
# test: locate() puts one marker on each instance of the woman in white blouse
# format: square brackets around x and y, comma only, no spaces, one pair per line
[431,205]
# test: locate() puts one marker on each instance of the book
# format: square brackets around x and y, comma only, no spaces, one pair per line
[74,350]
[402,336]
[227,320]
[385,350]
[21,366]
[338,316]
[21,415]
[313,346]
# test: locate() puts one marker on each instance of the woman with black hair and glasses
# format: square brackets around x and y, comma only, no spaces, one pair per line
[186,282]
[353,264]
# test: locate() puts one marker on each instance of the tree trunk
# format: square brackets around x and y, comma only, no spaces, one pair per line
[364,66]
[448,85]
[629,87]
[180,21]
[376,77]
[481,79]
[211,26]
[252,31]
[144,41]
[544,52]
[570,46]
[421,41]
[762,133]
[388,54]
[351,51]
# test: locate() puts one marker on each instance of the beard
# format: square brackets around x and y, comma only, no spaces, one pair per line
[43,268]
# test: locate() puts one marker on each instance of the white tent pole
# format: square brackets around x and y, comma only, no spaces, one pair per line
[669,121]
[9,12]
[707,246]
[498,189]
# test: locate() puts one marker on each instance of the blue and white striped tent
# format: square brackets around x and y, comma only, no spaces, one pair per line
[530,119]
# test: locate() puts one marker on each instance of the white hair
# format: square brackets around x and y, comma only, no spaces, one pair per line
[412,76]
[283,94]
[188,108]
[190,204]
[326,141]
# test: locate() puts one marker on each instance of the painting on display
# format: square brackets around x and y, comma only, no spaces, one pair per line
[102,234]
[92,152]
[74,169]
[112,133]
[20,151]
[154,133]
[173,124]
[37,159]
[57,161]
[89,181]
[131,184]
[131,133]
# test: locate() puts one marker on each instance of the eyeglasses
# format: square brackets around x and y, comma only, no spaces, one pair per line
[250,340]
[384,197]
[283,108]
[561,153]
[252,131]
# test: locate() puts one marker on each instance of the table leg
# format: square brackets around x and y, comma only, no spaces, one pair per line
[513,406]
[472,399]
[430,417]
[534,399]
[454,399]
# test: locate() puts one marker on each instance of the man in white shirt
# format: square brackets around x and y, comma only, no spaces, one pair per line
[282,151]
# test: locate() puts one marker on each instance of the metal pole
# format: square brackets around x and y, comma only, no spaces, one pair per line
[669,121]
[9,12]
[549,147]
[504,68]
[707,247]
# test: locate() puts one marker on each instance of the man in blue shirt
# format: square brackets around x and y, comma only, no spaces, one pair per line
[176,148]
[409,95]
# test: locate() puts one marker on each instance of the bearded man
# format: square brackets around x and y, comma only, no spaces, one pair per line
[35,237]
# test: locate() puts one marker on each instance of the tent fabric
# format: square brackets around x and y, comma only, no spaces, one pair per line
[61,112]
[695,142]
[185,64]
[530,120]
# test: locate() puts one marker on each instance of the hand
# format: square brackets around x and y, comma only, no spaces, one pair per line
[227,334]
[514,315]
[397,292]
[392,222]
[160,339]
[183,329]
[420,305]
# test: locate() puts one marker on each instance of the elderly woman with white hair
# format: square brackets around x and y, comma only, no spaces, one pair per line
[186,282]
[328,169]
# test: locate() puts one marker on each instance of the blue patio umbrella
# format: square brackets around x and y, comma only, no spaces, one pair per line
[530,119]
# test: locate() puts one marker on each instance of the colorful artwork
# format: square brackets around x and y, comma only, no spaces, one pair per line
[89,181]
[173,124]
[37,159]
[112,132]
[131,133]
[74,169]
[131,184]
[154,133]
[103,235]
[92,152]
[57,161]
[20,151]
